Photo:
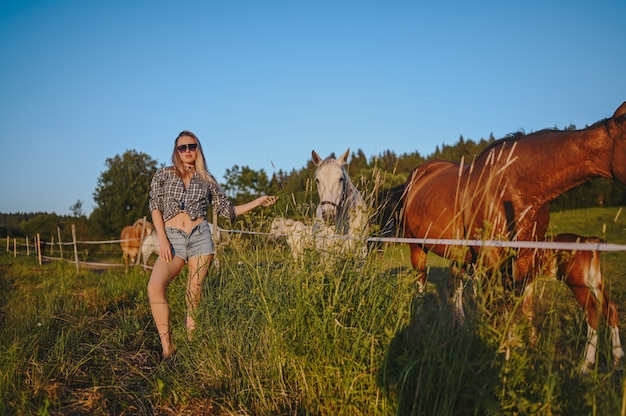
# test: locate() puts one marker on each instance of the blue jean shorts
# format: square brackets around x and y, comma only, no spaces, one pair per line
[199,242]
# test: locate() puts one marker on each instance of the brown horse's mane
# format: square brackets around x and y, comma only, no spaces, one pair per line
[520,134]
[509,138]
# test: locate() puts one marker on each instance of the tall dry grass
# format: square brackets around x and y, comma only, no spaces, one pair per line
[274,338]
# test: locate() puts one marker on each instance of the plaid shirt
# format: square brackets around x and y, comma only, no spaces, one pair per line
[168,195]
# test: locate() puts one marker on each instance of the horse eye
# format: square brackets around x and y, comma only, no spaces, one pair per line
[341,179]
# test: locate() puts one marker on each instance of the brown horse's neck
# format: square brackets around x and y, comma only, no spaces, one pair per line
[552,162]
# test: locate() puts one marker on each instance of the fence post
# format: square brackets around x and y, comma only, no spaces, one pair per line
[60,243]
[75,248]
[39,247]
[8,239]
[217,239]
[216,235]
[15,247]
[143,228]
[51,245]
[27,247]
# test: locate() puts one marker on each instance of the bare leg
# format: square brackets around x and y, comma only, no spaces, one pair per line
[161,276]
[198,268]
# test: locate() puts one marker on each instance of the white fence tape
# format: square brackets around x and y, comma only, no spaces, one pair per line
[551,245]
[512,244]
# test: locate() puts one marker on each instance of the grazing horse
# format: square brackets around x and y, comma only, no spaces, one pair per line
[580,270]
[149,245]
[298,235]
[132,237]
[341,218]
[504,194]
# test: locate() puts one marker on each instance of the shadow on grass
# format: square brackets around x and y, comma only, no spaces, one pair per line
[432,367]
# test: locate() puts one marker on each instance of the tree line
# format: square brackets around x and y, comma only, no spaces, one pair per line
[122,190]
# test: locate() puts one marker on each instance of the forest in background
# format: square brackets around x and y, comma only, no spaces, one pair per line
[122,192]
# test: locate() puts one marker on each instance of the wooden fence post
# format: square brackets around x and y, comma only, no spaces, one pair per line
[143,228]
[75,247]
[27,247]
[217,239]
[15,247]
[216,234]
[51,245]
[39,247]
[8,244]
[60,242]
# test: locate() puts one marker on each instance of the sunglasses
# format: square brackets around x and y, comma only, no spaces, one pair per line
[183,147]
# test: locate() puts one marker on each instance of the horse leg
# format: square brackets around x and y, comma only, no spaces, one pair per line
[609,310]
[456,283]
[612,318]
[589,303]
[592,296]
[418,261]
[528,309]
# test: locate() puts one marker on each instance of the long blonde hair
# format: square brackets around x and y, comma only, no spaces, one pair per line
[200,166]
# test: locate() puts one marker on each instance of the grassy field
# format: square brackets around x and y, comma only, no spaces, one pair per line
[274,338]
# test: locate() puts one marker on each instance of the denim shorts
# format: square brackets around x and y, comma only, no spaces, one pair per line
[197,243]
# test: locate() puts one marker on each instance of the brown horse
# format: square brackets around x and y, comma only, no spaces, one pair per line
[581,272]
[131,239]
[504,194]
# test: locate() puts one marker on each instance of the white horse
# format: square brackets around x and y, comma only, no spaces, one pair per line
[150,245]
[298,235]
[341,222]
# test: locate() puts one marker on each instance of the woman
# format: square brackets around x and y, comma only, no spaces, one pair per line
[179,199]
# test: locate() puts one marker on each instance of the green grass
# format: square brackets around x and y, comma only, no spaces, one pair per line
[274,338]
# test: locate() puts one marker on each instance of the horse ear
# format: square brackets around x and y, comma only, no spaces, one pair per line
[344,157]
[316,158]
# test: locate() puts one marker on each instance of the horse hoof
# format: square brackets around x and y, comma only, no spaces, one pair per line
[585,368]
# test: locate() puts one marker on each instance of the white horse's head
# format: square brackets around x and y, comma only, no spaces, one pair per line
[332,182]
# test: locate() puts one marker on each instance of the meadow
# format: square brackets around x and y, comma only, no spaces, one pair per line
[275,338]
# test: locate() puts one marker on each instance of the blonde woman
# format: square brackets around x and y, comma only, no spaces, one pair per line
[179,200]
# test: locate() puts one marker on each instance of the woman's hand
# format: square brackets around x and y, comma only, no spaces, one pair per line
[266,200]
[165,251]
[262,201]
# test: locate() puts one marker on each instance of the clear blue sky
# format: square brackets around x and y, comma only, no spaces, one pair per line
[262,83]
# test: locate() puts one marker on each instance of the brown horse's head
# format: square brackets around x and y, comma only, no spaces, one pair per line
[616,127]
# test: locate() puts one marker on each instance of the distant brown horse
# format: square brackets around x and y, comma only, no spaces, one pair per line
[131,239]
[581,272]
[504,194]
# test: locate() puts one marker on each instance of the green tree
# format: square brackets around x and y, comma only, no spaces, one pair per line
[77,209]
[43,223]
[123,192]
[358,161]
[243,183]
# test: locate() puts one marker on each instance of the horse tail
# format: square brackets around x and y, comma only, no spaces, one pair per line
[390,211]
